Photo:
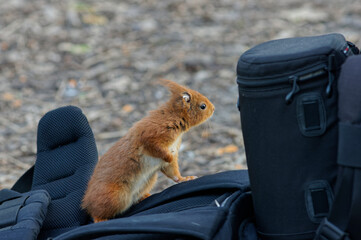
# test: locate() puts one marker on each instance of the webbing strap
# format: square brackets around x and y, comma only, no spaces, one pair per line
[328,231]
[345,216]
[6,194]
[340,211]
[349,150]
[10,204]
[24,183]
[355,210]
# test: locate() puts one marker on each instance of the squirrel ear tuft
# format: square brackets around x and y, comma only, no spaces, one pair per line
[186,97]
[173,87]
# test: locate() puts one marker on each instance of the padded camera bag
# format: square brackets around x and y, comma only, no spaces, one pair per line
[288,107]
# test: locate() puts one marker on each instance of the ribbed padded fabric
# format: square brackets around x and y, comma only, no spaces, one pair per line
[66,158]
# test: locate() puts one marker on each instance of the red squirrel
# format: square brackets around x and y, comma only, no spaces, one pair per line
[127,172]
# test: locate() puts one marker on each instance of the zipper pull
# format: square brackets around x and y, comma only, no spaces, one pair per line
[331,77]
[295,88]
[354,48]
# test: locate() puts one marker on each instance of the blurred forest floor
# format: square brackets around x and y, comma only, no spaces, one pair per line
[104,56]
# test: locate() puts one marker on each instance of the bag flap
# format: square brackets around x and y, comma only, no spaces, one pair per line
[195,224]
[229,180]
[284,56]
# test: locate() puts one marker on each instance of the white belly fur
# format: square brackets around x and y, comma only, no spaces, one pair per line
[174,147]
[151,165]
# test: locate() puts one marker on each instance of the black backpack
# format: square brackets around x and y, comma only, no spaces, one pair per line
[218,206]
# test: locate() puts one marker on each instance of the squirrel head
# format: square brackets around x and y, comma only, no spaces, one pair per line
[189,104]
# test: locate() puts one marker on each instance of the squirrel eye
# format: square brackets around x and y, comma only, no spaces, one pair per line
[203,106]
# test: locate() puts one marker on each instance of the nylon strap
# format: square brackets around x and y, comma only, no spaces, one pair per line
[10,204]
[349,150]
[24,183]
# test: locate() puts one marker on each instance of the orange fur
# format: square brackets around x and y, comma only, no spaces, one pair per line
[126,173]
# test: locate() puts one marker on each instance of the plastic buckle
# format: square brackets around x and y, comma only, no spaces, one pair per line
[328,231]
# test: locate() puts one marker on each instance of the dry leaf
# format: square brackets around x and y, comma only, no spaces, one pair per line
[17,103]
[94,19]
[72,83]
[227,149]
[128,108]
[4,46]
[205,134]
[239,166]
[23,79]
[8,97]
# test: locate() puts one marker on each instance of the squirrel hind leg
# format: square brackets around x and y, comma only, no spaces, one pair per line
[111,200]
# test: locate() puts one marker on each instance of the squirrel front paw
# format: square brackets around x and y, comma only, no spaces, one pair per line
[184,179]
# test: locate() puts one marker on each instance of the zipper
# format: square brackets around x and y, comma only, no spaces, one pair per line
[298,78]
[295,80]
[331,76]
[305,74]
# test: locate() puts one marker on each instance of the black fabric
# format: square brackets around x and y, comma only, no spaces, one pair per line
[30,211]
[66,158]
[25,182]
[10,204]
[349,145]
[349,90]
[283,57]
[328,231]
[201,191]
[345,214]
[318,197]
[210,207]
[248,231]
[311,114]
[7,194]
[288,107]
[320,202]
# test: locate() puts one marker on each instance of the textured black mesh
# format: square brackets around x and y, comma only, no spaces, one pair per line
[66,158]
